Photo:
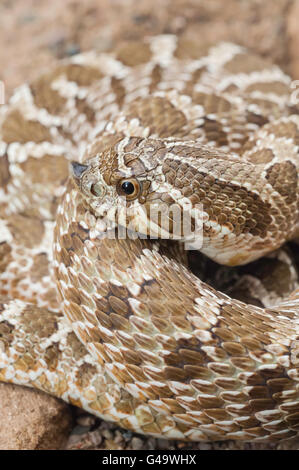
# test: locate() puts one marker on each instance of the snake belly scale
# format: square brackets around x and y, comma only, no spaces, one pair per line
[122,327]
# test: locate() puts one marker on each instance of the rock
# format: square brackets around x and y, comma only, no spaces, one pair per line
[137,443]
[32,420]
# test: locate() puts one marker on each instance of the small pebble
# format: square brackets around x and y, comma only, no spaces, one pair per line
[107,434]
[118,437]
[163,444]
[127,435]
[80,430]
[73,440]
[137,443]
[95,438]
[86,420]
[151,444]
[205,446]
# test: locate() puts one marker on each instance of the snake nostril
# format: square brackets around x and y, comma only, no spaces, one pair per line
[97,190]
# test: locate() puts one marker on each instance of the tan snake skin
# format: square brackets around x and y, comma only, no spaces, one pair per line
[134,336]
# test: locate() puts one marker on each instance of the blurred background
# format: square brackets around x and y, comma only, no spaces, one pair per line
[36,33]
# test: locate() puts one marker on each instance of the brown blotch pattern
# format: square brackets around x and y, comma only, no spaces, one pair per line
[261,156]
[246,63]
[226,203]
[189,86]
[21,229]
[278,88]
[288,130]
[133,53]
[159,115]
[214,132]
[156,77]
[84,108]
[6,334]
[77,349]
[51,356]
[49,169]
[85,373]
[46,97]
[254,118]
[5,175]
[283,178]
[188,49]
[38,323]
[40,267]
[119,91]
[5,256]
[83,75]
[16,128]
[212,103]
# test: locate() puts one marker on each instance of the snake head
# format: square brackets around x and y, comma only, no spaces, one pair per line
[125,183]
[117,194]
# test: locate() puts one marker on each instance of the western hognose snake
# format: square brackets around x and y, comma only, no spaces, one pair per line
[134,336]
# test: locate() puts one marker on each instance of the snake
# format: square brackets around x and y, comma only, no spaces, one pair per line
[121,326]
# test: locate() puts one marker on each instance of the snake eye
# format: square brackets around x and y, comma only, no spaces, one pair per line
[129,188]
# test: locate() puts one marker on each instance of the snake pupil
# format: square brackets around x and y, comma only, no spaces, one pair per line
[128,187]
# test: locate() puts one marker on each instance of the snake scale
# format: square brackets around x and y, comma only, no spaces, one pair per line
[122,327]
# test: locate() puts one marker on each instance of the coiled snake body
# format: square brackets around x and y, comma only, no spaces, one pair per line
[134,336]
